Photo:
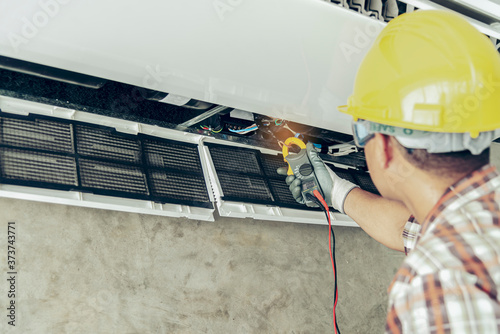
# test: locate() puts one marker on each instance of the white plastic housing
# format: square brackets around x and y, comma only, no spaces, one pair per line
[22,107]
[226,209]
[293,59]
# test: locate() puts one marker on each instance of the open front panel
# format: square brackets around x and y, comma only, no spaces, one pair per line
[43,152]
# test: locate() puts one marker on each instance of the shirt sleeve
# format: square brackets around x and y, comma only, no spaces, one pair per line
[442,302]
[410,234]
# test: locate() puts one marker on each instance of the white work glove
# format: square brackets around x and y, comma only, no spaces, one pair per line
[335,188]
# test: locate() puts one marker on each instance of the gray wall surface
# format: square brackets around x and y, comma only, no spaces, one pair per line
[95,271]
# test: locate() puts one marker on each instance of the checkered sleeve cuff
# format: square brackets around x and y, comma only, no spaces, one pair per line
[410,234]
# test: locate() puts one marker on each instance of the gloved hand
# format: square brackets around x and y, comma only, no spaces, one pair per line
[335,188]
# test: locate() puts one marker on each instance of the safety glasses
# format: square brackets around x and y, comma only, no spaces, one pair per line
[364,130]
[361,132]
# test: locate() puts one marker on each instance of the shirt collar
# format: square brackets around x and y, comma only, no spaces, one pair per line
[467,189]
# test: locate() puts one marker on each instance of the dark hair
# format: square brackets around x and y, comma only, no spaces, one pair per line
[462,162]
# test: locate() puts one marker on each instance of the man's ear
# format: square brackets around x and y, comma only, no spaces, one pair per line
[385,149]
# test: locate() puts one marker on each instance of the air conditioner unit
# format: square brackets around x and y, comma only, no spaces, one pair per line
[99,101]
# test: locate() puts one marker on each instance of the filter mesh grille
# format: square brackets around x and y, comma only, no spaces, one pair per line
[271,163]
[105,144]
[282,193]
[38,134]
[244,187]
[115,177]
[236,160]
[178,186]
[39,151]
[171,155]
[37,167]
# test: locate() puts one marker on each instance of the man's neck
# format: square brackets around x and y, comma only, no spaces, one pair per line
[424,190]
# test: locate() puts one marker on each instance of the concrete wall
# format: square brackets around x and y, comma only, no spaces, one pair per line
[95,271]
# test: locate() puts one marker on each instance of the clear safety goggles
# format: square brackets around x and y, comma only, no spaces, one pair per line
[364,130]
[361,132]
[433,142]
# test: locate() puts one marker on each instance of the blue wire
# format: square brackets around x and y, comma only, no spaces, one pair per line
[244,130]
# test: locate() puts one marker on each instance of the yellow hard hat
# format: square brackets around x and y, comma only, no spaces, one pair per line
[431,71]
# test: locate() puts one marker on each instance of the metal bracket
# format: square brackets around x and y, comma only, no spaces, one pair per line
[201,117]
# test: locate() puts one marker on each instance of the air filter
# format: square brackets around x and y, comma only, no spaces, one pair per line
[37,134]
[179,186]
[103,143]
[245,187]
[41,151]
[113,177]
[21,166]
[235,160]
[282,193]
[271,163]
[172,155]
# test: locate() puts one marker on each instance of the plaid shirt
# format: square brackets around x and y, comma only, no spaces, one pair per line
[450,280]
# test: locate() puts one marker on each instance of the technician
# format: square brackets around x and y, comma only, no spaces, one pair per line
[426,106]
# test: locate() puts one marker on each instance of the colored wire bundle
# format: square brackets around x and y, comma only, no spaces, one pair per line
[319,200]
[251,128]
[208,128]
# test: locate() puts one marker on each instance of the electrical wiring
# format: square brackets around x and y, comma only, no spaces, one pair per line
[245,130]
[251,128]
[282,143]
[208,128]
[318,199]
[285,126]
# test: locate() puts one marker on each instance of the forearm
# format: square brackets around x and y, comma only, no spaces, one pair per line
[381,218]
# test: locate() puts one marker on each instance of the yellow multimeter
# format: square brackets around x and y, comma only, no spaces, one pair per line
[300,166]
